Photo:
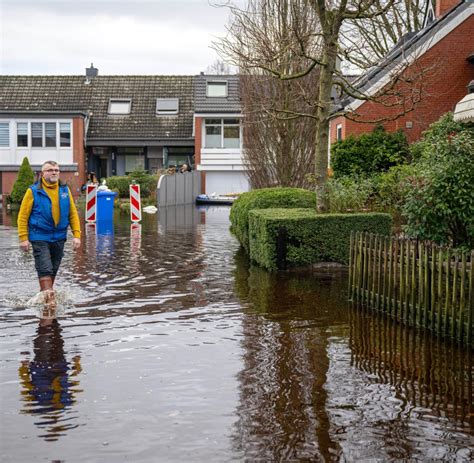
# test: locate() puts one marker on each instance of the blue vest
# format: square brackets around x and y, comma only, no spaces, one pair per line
[41,225]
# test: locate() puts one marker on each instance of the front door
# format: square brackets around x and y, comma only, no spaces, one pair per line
[102,168]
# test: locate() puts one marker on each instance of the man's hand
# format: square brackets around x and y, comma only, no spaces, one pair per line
[76,243]
[25,245]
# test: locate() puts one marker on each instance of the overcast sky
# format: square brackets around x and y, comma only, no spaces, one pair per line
[118,36]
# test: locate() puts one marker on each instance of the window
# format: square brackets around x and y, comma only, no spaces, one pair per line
[64,134]
[134,162]
[4,134]
[50,133]
[338,132]
[213,133]
[222,133]
[118,106]
[167,106]
[217,89]
[37,134]
[22,134]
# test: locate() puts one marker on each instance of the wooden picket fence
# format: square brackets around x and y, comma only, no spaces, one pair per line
[416,283]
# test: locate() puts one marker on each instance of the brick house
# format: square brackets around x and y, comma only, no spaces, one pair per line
[218,134]
[445,46]
[110,125]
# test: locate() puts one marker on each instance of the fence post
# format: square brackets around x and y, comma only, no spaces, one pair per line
[447,284]
[454,298]
[471,301]
[462,290]
[385,275]
[440,289]
[414,286]
[351,263]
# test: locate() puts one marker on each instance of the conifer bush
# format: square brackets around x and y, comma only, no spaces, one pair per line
[25,179]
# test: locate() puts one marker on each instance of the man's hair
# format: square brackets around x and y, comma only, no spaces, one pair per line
[53,163]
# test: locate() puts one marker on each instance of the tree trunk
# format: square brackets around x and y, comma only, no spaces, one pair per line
[322,124]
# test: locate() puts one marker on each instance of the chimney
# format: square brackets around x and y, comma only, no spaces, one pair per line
[443,6]
[91,73]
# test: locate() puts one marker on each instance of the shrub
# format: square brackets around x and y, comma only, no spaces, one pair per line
[147,182]
[25,179]
[262,199]
[348,194]
[311,237]
[440,206]
[370,153]
[392,187]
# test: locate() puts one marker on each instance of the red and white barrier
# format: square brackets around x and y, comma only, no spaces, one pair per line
[135,203]
[91,203]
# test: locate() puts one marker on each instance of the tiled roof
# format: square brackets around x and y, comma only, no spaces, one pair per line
[70,93]
[205,104]
[412,42]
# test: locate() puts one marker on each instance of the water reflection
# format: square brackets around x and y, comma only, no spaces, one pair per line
[433,375]
[282,412]
[49,382]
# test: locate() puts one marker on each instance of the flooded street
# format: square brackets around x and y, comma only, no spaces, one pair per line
[176,349]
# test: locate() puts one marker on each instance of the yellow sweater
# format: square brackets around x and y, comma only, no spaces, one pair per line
[53,192]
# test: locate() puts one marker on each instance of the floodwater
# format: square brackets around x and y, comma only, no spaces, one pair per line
[177,349]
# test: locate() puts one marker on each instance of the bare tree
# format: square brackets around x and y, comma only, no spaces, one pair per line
[319,49]
[277,151]
[219,67]
[369,40]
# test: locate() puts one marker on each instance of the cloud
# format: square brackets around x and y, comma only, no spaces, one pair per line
[119,37]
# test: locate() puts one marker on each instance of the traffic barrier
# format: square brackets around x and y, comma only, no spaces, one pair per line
[91,203]
[135,239]
[135,203]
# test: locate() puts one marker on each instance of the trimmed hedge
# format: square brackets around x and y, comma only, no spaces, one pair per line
[311,237]
[264,198]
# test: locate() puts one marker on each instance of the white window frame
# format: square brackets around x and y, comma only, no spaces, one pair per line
[218,83]
[119,100]
[222,126]
[28,134]
[339,132]
[7,123]
[167,112]
[58,134]
[29,123]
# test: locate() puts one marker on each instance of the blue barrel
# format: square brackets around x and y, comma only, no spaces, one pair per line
[105,205]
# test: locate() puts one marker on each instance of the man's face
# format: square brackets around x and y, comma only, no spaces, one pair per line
[50,173]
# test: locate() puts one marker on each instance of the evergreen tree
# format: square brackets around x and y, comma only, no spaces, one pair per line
[26,177]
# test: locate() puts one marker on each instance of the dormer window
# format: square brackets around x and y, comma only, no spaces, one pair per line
[216,88]
[167,106]
[120,106]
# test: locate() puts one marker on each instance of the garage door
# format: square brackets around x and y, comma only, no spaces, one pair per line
[226,182]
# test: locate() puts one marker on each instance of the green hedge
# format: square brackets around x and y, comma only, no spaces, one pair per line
[311,237]
[121,185]
[370,153]
[288,198]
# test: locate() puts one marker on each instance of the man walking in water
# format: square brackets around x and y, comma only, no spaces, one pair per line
[46,212]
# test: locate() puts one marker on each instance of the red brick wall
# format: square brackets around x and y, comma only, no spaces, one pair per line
[197,149]
[78,156]
[444,85]
[443,6]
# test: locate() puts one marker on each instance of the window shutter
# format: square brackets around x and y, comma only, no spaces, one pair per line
[4,134]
